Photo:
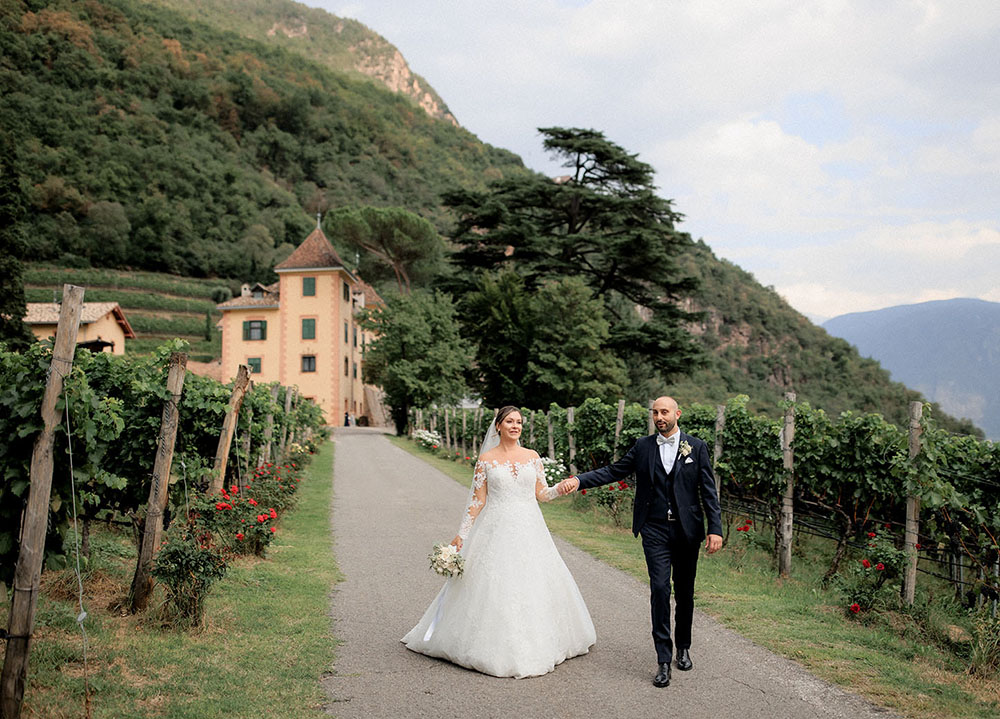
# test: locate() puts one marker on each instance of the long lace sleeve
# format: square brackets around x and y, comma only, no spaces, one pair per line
[477,499]
[543,492]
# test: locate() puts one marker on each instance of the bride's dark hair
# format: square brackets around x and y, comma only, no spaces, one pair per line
[503,412]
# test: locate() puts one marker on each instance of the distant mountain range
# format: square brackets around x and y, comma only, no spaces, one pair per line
[948,350]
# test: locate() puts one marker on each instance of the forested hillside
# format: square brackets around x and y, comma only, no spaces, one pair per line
[153,141]
[341,44]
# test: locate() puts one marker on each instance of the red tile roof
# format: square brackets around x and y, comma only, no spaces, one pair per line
[314,252]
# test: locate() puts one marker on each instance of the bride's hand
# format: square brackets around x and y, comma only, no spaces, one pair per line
[457,542]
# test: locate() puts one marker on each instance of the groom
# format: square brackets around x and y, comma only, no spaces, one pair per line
[674,494]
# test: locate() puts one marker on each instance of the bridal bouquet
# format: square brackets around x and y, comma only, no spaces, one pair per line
[446,561]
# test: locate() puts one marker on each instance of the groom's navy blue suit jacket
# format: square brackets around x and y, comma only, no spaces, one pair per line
[694,485]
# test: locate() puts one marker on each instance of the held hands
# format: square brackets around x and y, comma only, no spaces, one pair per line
[571,484]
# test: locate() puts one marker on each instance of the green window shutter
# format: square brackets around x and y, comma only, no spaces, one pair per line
[246,330]
[263,329]
[308,286]
[308,329]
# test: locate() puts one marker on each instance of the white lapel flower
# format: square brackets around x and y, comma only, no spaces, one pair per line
[684,449]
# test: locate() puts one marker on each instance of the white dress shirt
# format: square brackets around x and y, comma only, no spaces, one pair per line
[668,450]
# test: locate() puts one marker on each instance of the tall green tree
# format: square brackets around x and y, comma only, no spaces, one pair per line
[391,243]
[418,355]
[602,223]
[13,202]
[535,348]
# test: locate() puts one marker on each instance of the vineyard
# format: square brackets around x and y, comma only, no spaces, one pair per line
[159,306]
[850,478]
[195,470]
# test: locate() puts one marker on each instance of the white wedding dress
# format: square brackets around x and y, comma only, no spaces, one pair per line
[515,611]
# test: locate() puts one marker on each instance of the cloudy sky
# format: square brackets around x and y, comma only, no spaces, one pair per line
[847,153]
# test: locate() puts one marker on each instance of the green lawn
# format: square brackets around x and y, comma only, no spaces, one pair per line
[264,647]
[893,660]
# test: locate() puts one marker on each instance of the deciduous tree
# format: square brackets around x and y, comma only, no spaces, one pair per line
[418,355]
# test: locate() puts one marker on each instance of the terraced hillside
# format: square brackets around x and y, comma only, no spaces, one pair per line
[158,306]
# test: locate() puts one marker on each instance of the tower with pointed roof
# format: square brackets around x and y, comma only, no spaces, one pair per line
[302,330]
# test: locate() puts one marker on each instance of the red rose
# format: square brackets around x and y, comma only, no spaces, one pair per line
[865,563]
[855,608]
[220,505]
[273,530]
[239,536]
[234,489]
[871,535]
[880,566]
[252,501]
[274,515]
[261,518]
[583,491]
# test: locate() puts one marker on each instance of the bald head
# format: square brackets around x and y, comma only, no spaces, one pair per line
[665,415]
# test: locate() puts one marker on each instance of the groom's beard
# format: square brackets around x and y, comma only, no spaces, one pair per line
[665,427]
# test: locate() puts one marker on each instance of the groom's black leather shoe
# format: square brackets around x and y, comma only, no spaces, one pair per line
[662,678]
[684,660]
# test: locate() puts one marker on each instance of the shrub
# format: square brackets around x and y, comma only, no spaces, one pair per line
[187,565]
[427,439]
[867,582]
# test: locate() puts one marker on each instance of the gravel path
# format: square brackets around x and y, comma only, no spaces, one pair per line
[390,508]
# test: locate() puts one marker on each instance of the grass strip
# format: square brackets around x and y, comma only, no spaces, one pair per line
[263,649]
[892,666]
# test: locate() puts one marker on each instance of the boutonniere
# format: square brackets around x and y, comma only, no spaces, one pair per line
[684,449]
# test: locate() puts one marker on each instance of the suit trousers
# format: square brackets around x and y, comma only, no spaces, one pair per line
[668,552]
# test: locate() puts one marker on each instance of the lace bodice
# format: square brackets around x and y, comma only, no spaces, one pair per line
[503,482]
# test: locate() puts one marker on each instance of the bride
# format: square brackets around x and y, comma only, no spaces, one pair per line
[515,611]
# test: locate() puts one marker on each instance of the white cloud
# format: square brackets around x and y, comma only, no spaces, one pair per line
[847,153]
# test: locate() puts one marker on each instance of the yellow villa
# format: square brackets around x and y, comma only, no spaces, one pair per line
[103,327]
[301,331]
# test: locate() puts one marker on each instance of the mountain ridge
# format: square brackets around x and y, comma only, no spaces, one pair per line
[341,44]
[949,350]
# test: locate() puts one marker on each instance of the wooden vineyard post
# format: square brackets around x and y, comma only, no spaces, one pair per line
[289,396]
[569,439]
[720,427]
[228,425]
[552,440]
[911,532]
[650,424]
[619,422]
[787,509]
[142,581]
[447,431]
[28,571]
[245,449]
[265,453]
[465,451]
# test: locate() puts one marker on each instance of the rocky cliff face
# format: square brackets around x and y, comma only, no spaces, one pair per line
[378,59]
[373,56]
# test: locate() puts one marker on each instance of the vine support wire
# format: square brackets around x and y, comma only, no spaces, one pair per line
[82,616]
